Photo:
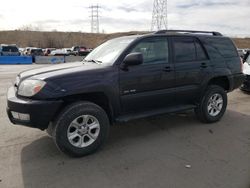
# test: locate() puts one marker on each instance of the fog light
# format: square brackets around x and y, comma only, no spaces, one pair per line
[15,115]
[20,116]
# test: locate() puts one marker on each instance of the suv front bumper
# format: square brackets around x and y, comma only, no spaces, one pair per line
[35,113]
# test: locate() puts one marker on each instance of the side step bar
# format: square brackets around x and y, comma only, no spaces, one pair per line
[132,116]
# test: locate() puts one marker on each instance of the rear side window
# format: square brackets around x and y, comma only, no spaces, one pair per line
[188,49]
[184,50]
[224,46]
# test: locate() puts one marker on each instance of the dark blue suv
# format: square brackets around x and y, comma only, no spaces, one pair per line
[127,78]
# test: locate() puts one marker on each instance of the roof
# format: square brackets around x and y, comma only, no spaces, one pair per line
[211,33]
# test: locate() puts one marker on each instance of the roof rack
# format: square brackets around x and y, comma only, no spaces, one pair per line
[214,33]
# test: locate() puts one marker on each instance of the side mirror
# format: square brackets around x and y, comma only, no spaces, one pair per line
[133,59]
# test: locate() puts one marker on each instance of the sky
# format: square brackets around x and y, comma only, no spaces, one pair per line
[231,17]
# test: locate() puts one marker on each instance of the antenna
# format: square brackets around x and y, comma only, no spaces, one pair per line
[159,15]
[94,18]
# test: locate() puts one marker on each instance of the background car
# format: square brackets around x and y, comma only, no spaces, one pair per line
[47,51]
[35,52]
[246,70]
[80,50]
[60,52]
[9,50]
[241,52]
[244,59]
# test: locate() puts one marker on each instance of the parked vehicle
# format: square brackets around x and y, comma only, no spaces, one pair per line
[60,52]
[27,50]
[35,52]
[244,59]
[241,52]
[9,50]
[21,51]
[80,50]
[127,78]
[47,51]
[246,70]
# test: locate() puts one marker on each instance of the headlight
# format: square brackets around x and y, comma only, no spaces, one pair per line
[29,88]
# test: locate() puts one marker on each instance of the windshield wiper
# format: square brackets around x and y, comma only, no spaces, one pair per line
[93,61]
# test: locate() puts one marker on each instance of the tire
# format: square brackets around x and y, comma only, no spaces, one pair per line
[210,108]
[81,129]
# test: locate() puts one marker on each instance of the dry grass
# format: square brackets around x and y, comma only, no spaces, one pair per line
[242,42]
[69,39]
[55,39]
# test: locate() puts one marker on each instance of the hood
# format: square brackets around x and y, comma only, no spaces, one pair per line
[60,69]
[246,69]
[37,71]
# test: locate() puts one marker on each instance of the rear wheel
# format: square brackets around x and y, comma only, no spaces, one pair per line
[213,104]
[81,129]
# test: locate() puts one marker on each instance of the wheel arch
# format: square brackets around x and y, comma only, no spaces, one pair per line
[222,81]
[97,98]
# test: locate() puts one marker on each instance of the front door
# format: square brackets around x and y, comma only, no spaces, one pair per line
[150,85]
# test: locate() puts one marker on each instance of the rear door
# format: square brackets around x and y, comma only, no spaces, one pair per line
[150,85]
[192,66]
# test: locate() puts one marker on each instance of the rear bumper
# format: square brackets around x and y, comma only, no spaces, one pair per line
[40,112]
[236,81]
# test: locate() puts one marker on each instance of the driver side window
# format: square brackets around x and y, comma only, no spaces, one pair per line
[153,50]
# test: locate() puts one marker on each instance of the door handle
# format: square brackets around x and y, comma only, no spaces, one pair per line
[167,69]
[203,65]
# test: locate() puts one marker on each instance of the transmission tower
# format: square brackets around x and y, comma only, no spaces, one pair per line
[159,15]
[94,18]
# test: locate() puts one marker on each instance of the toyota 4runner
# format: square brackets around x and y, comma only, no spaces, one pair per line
[127,78]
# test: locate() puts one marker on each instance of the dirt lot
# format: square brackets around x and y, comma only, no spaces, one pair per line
[145,153]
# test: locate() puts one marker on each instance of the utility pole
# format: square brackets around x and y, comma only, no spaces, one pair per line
[159,15]
[94,18]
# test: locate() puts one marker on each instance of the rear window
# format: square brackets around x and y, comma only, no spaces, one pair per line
[224,46]
[10,49]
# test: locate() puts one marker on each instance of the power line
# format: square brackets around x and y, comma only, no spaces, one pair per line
[159,15]
[94,18]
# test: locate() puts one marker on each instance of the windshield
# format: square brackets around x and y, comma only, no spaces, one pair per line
[109,51]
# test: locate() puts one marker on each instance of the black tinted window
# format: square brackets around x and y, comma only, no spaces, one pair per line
[184,50]
[201,55]
[10,49]
[153,50]
[224,46]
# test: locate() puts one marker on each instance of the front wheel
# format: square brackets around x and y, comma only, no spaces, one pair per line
[81,129]
[212,105]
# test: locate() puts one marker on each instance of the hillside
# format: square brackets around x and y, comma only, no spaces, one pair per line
[69,39]
[55,39]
